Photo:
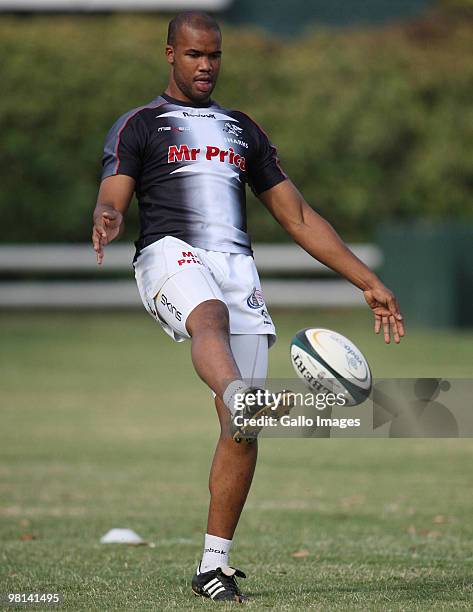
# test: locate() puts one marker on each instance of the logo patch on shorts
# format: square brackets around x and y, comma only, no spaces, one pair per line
[255,299]
[189,257]
[172,309]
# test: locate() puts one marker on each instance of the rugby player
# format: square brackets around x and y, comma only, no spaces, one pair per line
[188,161]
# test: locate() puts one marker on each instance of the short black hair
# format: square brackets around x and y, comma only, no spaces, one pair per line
[193,19]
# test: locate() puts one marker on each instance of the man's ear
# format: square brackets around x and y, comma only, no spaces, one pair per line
[169,52]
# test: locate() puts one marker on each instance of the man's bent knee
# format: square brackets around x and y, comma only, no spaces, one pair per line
[209,315]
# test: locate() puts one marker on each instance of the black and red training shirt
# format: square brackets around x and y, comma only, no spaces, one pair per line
[191,164]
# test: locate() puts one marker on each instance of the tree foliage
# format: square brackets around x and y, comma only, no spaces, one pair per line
[370,124]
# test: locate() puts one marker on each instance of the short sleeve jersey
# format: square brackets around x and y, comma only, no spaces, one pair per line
[191,165]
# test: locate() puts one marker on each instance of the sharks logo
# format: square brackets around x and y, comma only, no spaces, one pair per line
[231,128]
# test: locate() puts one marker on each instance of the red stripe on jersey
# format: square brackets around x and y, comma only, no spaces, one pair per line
[124,126]
[278,163]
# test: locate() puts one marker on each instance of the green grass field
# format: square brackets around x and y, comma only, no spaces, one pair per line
[104,424]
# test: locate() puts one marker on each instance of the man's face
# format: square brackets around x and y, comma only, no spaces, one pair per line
[195,61]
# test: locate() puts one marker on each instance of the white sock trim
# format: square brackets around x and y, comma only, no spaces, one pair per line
[216,553]
[234,388]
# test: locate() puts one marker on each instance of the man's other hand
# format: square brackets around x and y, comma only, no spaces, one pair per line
[107,224]
[112,203]
[386,312]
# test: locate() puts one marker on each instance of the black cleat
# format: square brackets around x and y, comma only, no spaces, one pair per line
[219,584]
[259,408]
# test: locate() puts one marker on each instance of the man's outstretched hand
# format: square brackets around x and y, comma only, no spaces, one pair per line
[386,313]
[107,225]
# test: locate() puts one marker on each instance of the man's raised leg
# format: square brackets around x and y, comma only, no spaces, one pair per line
[209,328]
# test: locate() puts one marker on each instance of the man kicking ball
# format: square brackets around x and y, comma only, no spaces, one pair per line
[188,161]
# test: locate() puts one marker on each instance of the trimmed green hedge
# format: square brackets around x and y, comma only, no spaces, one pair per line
[371,124]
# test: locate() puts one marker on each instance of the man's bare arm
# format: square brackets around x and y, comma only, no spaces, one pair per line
[112,203]
[316,236]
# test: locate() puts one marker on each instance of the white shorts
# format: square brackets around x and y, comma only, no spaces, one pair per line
[174,277]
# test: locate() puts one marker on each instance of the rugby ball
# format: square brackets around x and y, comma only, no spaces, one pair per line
[330,363]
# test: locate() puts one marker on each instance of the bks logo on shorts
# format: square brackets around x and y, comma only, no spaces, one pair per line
[255,299]
[172,309]
[189,257]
